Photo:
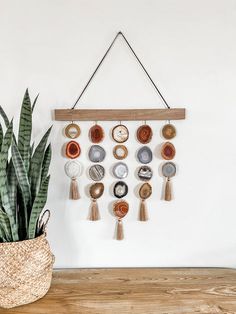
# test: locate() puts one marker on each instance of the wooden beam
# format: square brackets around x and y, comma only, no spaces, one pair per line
[119,114]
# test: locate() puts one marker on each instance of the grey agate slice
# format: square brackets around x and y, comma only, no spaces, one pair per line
[96,172]
[144,155]
[145,173]
[96,153]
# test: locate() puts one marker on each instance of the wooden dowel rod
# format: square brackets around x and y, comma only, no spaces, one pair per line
[119,114]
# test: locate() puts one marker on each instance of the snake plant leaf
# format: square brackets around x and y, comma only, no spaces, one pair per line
[22,178]
[1,136]
[6,142]
[25,129]
[46,162]
[4,116]
[12,189]
[34,102]
[31,150]
[5,226]
[36,164]
[37,208]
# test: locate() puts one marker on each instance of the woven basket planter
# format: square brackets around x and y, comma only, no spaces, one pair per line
[25,271]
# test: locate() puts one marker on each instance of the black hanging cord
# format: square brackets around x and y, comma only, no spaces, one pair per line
[151,80]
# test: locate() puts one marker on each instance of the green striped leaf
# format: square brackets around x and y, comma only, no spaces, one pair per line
[22,179]
[1,136]
[37,208]
[5,201]
[12,192]
[34,103]
[36,164]
[46,162]
[25,129]
[4,116]
[5,226]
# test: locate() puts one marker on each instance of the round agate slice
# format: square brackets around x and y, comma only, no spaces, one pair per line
[96,172]
[144,155]
[96,134]
[120,170]
[73,150]
[120,209]
[168,131]
[169,169]
[144,134]
[120,133]
[120,189]
[145,173]
[72,130]
[168,151]
[120,152]
[73,169]
[96,153]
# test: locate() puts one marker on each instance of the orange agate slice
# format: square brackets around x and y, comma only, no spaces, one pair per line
[168,151]
[73,150]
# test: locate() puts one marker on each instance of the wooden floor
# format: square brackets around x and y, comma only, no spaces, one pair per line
[141,291]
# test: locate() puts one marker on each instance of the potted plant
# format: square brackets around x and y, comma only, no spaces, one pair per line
[25,258]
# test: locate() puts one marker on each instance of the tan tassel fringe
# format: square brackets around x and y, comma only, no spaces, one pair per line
[74,190]
[143,215]
[94,211]
[120,231]
[168,193]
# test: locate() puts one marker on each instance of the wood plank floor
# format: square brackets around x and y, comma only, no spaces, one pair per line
[141,291]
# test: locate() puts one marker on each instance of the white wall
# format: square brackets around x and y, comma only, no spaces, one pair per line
[189,48]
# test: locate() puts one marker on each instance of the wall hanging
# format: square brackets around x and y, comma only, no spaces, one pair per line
[120,134]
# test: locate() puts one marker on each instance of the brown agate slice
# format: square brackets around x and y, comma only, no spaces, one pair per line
[73,150]
[145,191]
[168,151]
[168,131]
[96,134]
[121,209]
[144,134]
[96,190]
[72,130]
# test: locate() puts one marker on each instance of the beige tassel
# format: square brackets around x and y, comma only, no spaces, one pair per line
[120,231]
[74,190]
[168,193]
[143,215]
[94,211]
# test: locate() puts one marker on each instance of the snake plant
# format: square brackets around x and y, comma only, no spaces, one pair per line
[24,176]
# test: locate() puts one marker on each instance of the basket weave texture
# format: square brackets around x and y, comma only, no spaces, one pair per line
[25,271]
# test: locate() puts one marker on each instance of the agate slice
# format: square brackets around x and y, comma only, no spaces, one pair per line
[168,151]
[120,133]
[145,191]
[120,170]
[144,134]
[145,173]
[73,169]
[169,169]
[96,134]
[72,131]
[120,189]
[96,190]
[96,153]
[73,150]
[121,209]
[120,152]
[168,131]
[144,155]
[96,172]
